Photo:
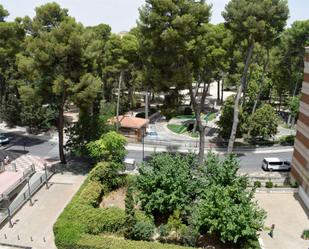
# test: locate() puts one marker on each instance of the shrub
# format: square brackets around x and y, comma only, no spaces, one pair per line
[257,184]
[287,140]
[295,184]
[251,244]
[143,231]
[269,184]
[189,236]
[102,242]
[305,234]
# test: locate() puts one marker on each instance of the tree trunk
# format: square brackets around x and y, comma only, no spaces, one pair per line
[238,97]
[218,91]
[146,104]
[201,128]
[222,91]
[60,131]
[118,101]
[258,96]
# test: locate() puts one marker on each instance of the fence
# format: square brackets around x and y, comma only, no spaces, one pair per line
[27,173]
[33,185]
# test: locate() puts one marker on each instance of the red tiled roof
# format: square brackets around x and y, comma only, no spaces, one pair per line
[131,122]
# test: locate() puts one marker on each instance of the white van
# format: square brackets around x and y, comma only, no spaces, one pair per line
[275,164]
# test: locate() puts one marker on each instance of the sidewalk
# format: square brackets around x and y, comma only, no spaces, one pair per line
[33,226]
[290,219]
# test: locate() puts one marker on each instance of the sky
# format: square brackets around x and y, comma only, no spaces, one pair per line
[121,15]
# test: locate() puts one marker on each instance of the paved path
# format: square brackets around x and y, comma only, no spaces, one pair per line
[37,221]
[290,219]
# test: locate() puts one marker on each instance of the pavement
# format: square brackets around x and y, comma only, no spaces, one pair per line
[33,225]
[288,214]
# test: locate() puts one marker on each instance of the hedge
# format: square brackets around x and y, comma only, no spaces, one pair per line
[104,242]
[81,221]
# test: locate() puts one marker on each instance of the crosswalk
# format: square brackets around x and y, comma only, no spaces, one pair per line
[24,161]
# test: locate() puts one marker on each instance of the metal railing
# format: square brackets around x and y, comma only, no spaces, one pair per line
[33,185]
[26,174]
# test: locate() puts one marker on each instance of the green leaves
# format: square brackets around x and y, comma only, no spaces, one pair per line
[111,147]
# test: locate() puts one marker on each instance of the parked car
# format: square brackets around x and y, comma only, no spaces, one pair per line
[130,164]
[4,139]
[276,164]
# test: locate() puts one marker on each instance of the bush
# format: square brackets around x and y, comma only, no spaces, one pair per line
[305,234]
[287,140]
[189,236]
[269,184]
[251,244]
[294,184]
[257,184]
[169,113]
[102,242]
[143,231]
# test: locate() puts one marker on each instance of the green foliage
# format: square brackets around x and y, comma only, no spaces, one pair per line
[103,242]
[225,206]
[226,119]
[110,147]
[287,140]
[263,123]
[143,231]
[38,117]
[85,130]
[107,172]
[305,234]
[269,184]
[166,183]
[130,220]
[257,184]
[293,104]
[189,236]
[175,223]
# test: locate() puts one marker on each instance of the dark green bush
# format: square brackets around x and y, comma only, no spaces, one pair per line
[188,111]
[269,184]
[251,244]
[257,184]
[287,140]
[305,234]
[143,231]
[189,236]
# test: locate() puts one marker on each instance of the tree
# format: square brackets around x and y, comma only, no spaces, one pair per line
[110,147]
[226,206]
[251,22]
[293,103]
[263,123]
[170,31]
[130,220]
[11,37]
[226,119]
[53,63]
[166,183]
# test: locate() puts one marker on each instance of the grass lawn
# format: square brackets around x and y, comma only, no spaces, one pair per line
[185,117]
[210,117]
[179,129]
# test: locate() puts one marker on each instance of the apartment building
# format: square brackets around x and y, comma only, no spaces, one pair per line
[300,161]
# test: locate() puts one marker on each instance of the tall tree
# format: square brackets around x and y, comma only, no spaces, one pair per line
[252,21]
[53,62]
[170,31]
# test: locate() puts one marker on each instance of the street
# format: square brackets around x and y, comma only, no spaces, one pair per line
[249,161]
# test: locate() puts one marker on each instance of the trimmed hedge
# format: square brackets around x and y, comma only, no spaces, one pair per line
[81,221]
[103,242]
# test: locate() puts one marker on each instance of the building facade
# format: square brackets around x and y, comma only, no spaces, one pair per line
[300,161]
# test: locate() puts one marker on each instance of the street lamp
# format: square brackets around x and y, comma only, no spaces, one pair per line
[143,141]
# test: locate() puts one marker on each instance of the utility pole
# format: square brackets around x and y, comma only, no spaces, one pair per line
[118,101]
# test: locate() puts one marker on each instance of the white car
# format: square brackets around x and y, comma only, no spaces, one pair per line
[4,139]
[276,164]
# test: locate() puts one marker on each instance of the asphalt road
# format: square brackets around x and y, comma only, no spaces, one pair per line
[33,146]
[249,162]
